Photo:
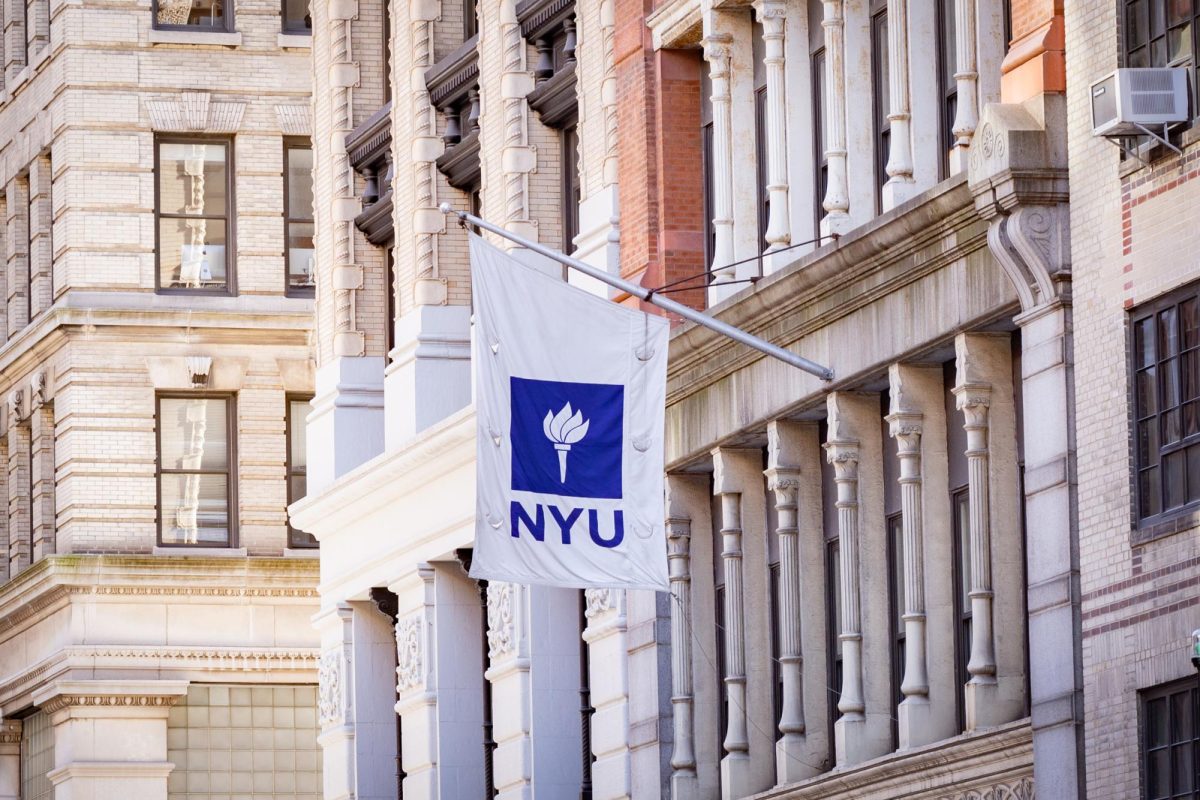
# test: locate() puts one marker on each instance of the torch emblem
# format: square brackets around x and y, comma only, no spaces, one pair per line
[563,430]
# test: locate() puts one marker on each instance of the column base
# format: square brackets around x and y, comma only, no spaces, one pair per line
[717,292]
[992,703]
[958,159]
[916,723]
[793,761]
[430,374]
[684,786]
[735,776]
[896,191]
[856,739]
[838,222]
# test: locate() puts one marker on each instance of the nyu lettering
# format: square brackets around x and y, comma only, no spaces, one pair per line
[535,525]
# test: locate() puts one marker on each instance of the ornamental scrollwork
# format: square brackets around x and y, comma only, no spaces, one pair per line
[598,601]
[409,652]
[1021,789]
[329,696]
[500,635]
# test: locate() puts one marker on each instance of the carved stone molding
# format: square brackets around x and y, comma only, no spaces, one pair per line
[10,731]
[409,652]
[61,701]
[37,390]
[16,405]
[598,602]
[1021,789]
[329,695]
[501,633]
[195,111]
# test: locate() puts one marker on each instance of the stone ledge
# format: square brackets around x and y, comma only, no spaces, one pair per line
[294,40]
[219,38]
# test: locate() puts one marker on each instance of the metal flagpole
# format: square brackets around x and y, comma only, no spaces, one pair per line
[642,293]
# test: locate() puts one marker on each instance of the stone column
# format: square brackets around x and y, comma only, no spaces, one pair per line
[355,702]
[437,683]
[907,384]
[536,711]
[735,766]
[683,754]
[966,74]
[861,733]
[900,184]
[41,222]
[10,759]
[17,206]
[20,549]
[608,682]
[837,195]
[110,736]
[41,426]
[717,52]
[773,16]
[519,159]
[784,443]
[983,370]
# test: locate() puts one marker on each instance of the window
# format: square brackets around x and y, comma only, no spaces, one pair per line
[30,226]
[761,146]
[571,193]
[1170,742]
[833,625]
[880,96]
[298,217]
[1162,33]
[961,508]
[470,20]
[296,17]
[1166,403]
[776,664]
[722,664]
[706,166]
[386,30]
[820,161]
[37,756]
[297,465]
[195,484]
[212,15]
[194,207]
[389,335]
[947,83]
[895,555]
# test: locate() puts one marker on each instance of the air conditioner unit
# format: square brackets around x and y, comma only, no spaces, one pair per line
[1129,101]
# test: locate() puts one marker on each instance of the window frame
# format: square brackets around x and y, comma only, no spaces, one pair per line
[896,609]
[946,23]
[229,26]
[570,186]
[231,470]
[1164,520]
[283,22]
[294,143]
[291,471]
[962,611]
[230,217]
[819,66]
[1189,62]
[1165,692]
[880,97]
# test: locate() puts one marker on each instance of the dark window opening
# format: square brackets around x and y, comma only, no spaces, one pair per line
[880,96]
[297,465]
[299,225]
[947,83]
[820,161]
[1170,742]
[896,589]
[960,507]
[296,17]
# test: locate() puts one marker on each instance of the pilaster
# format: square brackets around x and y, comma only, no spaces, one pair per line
[718,54]
[917,422]
[429,377]
[966,75]
[854,447]
[773,16]
[346,425]
[748,765]
[608,669]
[10,759]
[900,184]
[42,482]
[995,693]
[20,534]
[110,736]
[788,445]
[837,195]
[16,196]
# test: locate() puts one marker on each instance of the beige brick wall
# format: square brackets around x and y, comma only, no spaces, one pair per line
[1138,606]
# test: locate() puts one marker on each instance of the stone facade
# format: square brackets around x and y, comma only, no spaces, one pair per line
[110,633]
[875,581]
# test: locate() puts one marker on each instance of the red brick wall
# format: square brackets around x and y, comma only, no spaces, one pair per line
[659,173]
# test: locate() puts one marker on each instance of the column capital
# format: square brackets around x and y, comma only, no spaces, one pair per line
[117,694]
[717,52]
[10,731]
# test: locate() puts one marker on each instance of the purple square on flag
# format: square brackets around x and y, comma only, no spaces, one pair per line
[567,437]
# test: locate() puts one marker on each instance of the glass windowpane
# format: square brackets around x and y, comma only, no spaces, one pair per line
[963,525]
[194,433]
[1171,428]
[1179,44]
[191,179]
[301,254]
[1137,22]
[298,411]
[191,253]
[1174,474]
[300,185]
[1148,441]
[1148,492]
[1179,11]
[1147,393]
[296,18]
[195,509]
[1189,317]
[198,13]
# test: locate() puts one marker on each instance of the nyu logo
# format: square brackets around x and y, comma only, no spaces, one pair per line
[567,438]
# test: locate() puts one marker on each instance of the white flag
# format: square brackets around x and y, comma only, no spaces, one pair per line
[570,395]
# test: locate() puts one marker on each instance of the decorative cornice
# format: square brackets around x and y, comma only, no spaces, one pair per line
[371,141]
[538,17]
[554,101]
[375,221]
[448,80]
[460,163]
[62,701]
[109,694]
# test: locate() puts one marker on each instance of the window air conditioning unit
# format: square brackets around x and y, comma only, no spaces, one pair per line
[1129,101]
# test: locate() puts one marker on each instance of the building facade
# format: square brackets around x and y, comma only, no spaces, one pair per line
[155,170]
[875,580]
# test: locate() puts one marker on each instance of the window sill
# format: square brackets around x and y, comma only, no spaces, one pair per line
[302,40]
[196,37]
[1185,519]
[210,552]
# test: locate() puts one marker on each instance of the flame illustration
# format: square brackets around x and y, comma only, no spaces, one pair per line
[564,429]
